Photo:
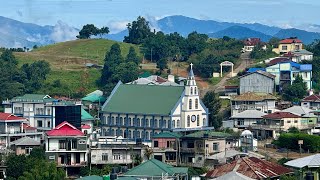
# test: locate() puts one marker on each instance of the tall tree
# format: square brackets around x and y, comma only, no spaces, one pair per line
[87,31]
[132,56]
[162,64]
[196,42]
[126,72]
[139,31]
[213,103]
[102,31]
[296,91]
[112,60]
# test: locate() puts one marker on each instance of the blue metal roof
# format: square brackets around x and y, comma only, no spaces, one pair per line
[256,69]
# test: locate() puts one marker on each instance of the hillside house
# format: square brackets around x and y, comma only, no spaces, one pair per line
[287,45]
[24,145]
[311,102]
[250,43]
[263,102]
[299,55]
[286,72]
[67,147]
[258,82]
[44,112]
[140,111]
[246,118]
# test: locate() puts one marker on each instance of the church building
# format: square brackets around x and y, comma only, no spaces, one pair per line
[140,111]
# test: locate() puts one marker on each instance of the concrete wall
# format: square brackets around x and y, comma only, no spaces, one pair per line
[256,83]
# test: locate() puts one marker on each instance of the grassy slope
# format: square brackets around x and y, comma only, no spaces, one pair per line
[67,60]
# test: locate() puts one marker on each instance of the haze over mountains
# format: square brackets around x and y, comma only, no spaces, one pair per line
[19,34]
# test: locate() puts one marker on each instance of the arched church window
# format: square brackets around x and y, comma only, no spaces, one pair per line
[198,120]
[191,90]
[195,90]
[178,123]
[197,104]
[188,121]
[190,103]
[173,124]
[204,122]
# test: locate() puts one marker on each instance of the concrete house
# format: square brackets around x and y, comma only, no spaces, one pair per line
[67,147]
[258,81]
[24,145]
[299,55]
[140,111]
[246,118]
[250,43]
[311,102]
[253,101]
[287,45]
[287,71]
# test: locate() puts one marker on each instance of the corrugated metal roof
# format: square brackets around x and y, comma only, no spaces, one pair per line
[309,161]
[250,114]
[26,141]
[253,96]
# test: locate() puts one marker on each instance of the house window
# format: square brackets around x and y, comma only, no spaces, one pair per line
[190,103]
[129,134]
[121,121]
[138,134]
[156,123]
[18,110]
[310,121]
[147,135]
[191,90]
[112,120]
[104,157]
[195,90]
[147,122]
[297,47]
[129,123]
[173,124]
[48,111]
[74,144]
[284,47]
[28,150]
[164,124]
[62,144]
[155,144]
[288,121]
[188,121]
[117,156]
[138,122]
[39,122]
[240,123]
[40,111]
[196,104]
[48,124]
[198,121]
[295,121]
[117,121]
[215,146]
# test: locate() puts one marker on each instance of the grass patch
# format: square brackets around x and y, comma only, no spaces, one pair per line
[225,103]
[234,81]
[215,80]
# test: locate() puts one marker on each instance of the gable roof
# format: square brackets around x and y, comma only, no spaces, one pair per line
[253,96]
[232,175]
[167,135]
[143,99]
[300,111]
[312,98]
[263,73]
[251,41]
[278,60]
[309,161]
[250,70]
[25,141]
[251,167]
[85,116]
[155,167]
[302,52]
[94,98]
[280,115]
[85,126]
[10,117]
[65,129]
[290,40]
[250,114]
[34,98]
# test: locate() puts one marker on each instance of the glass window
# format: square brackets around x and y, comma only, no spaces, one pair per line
[62,144]
[204,122]
[196,104]
[138,134]
[147,135]
[112,120]
[190,103]
[129,123]
[178,123]
[195,90]
[129,134]
[104,157]
[198,121]
[215,146]
[109,120]
[147,122]
[48,123]
[74,144]
[284,47]
[155,144]
[188,121]
[138,122]
[155,123]
[191,90]
[121,121]
[39,123]
[173,124]
[164,124]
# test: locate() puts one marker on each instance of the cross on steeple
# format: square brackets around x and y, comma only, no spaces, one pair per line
[191,66]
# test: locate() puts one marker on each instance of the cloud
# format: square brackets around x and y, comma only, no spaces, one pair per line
[117,26]
[153,22]
[63,32]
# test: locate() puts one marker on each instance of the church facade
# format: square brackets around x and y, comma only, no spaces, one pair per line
[140,111]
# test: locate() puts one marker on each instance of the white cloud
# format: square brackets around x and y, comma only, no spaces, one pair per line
[153,22]
[63,32]
[117,26]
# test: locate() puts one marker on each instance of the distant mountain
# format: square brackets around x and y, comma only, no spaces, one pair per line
[305,36]
[117,36]
[185,25]
[240,32]
[18,34]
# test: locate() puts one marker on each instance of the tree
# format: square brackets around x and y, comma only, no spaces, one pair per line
[213,103]
[102,31]
[38,153]
[293,130]
[132,56]
[35,47]
[148,152]
[196,42]
[112,60]
[162,64]
[126,72]
[16,165]
[87,31]
[139,31]
[43,170]
[274,42]
[8,57]
[296,91]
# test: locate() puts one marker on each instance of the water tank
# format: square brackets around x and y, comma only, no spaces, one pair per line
[171,78]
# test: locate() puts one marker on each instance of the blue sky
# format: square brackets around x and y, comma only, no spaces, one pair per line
[117,13]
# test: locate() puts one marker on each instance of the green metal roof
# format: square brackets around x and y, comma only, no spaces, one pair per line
[143,99]
[145,74]
[34,98]
[167,135]
[85,116]
[155,167]
[94,98]
[93,177]
[200,134]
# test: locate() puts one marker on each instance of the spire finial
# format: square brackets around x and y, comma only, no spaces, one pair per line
[191,65]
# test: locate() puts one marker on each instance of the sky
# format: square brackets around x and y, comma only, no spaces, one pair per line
[117,13]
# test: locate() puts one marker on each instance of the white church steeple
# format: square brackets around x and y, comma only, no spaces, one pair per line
[191,87]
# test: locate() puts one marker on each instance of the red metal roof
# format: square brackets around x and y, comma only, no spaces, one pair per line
[85,126]
[278,60]
[65,129]
[290,41]
[28,127]
[251,167]
[312,98]
[280,115]
[251,41]
[8,117]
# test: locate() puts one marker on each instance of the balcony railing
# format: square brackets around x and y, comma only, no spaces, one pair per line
[83,163]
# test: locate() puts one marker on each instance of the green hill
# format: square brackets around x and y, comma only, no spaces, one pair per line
[67,61]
